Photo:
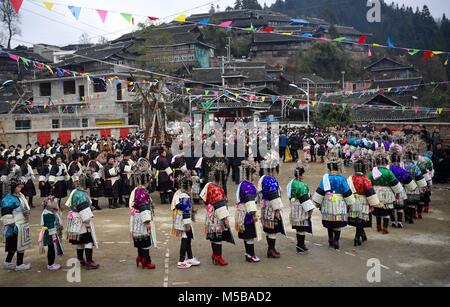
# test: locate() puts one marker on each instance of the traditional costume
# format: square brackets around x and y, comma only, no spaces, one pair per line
[95,180]
[387,187]
[111,184]
[51,233]
[164,177]
[301,208]
[27,178]
[80,226]
[182,213]
[359,215]
[216,219]
[333,196]
[126,172]
[426,167]
[16,228]
[271,215]
[57,179]
[142,227]
[44,174]
[247,214]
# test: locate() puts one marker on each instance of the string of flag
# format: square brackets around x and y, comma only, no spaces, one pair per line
[228,25]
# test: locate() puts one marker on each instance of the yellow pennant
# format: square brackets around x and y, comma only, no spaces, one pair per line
[181,18]
[263,98]
[376,45]
[48,5]
[438,52]
[287,33]
[314,103]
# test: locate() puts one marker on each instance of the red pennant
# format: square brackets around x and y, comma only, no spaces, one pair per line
[362,39]
[16,4]
[428,54]
[267,30]
[152,18]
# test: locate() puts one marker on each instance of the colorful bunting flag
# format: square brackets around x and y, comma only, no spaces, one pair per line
[181,18]
[413,52]
[204,22]
[127,17]
[251,28]
[25,61]
[389,42]
[287,33]
[428,54]
[48,5]
[75,11]
[362,39]
[267,30]
[102,14]
[16,4]
[340,39]
[151,18]
[369,53]
[14,57]
[226,24]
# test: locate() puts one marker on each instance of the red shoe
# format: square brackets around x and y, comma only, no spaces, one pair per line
[92,265]
[218,260]
[426,209]
[138,261]
[276,252]
[147,264]
[271,254]
[420,216]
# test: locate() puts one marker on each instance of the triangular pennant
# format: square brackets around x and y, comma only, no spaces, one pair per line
[369,54]
[48,5]
[307,35]
[389,42]
[287,33]
[263,98]
[181,18]
[251,28]
[438,52]
[274,99]
[413,52]
[206,92]
[14,57]
[16,4]
[25,61]
[340,39]
[75,11]
[428,54]
[226,24]
[267,30]
[152,18]
[203,22]
[102,14]
[362,39]
[127,17]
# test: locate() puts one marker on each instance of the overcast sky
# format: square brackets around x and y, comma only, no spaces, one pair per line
[64,29]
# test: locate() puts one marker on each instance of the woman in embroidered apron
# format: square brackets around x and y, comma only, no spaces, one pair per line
[271,215]
[95,179]
[217,226]
[414,171]
[141,226]
[80,226]
[366,198]
[15,214]
[387,187]
[182,212]
[426,167]
[51,233]
[246,213]
[333,196]
[301,208]
[404,177]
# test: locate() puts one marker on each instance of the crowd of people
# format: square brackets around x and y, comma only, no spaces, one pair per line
[392,181]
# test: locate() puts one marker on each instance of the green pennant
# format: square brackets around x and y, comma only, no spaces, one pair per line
[414,52]
[127,16]
[25,60]
[251,28]
[206,92]
[340,39]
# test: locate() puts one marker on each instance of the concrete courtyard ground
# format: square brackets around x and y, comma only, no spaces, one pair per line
[418,255]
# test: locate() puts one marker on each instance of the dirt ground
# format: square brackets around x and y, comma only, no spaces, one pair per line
[416,256]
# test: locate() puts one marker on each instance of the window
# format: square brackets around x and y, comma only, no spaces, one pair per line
[23,124]
[55,124]
[71,123]
[99,85]
[69,87]
[45,89]
[85,122]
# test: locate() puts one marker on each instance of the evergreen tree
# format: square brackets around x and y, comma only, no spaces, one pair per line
[238,5]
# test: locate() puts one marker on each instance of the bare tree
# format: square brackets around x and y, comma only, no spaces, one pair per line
[84,39]
[102,40]
[10,19]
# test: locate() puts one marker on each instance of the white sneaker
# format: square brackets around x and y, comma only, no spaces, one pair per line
[183,265]
[53,267]
[193,261]
[23,267]
[9,266]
